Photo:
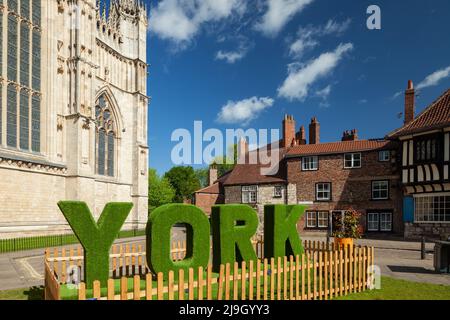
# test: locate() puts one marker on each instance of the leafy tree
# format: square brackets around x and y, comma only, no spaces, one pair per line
[226,163]
[202,175]
[160,191]
[184,181]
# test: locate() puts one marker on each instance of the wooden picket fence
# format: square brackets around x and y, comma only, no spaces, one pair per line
[322,272]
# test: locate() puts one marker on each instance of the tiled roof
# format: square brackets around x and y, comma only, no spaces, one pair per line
[212,189]
[338,147]
[435,116]
[245,174]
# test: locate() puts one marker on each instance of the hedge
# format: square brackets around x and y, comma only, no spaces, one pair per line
[233,227]
[95,237]
[280,230]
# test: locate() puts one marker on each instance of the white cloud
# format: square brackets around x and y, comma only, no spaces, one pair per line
[324,93]
[231,56]
[180,20]
[300,46]
[396,95]
[278,14]
[300,78]
[234,56]
[434,78]
[333,27]
[243,111]
[306,36]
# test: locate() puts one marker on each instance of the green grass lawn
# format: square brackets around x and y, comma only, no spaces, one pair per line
[391,289]
[33,293]
[394,289]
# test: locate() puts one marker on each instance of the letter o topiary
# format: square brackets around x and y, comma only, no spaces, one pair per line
[159,226]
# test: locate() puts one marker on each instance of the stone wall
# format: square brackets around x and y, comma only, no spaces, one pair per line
[265,195]
[80,62]
[415,231]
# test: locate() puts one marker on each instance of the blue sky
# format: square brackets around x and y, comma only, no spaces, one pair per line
[217,60]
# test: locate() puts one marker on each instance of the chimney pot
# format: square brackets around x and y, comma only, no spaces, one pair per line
[212,174]
[409,103]
[314,131]
[288,131]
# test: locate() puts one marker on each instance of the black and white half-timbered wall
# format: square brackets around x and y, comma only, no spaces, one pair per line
[425,167]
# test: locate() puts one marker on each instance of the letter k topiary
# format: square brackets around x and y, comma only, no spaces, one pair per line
[96,238]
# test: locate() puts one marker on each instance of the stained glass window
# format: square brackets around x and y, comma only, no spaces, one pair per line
[21,122]
[11,117]
[1,43]
[106,137]
[12,5]
[24,120]
[36,12]
[101,152]
[111,154]
[36,124]
[25,9]
[1,112]
[36,72]
[24,54]
[12,48]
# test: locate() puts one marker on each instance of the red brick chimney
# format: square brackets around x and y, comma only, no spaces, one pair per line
[288,131]
[410,104]
[242,150]
[212,174]
[350,135]
[314,131]
[301,136]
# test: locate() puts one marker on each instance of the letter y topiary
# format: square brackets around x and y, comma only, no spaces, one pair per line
[96,238]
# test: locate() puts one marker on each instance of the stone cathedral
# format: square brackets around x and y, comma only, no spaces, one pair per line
[73,111]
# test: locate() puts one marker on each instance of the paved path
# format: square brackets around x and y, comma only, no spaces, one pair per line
[398,259]
[25,269]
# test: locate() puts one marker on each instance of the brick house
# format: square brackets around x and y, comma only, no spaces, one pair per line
[368,183]
[211,195]
[358,174]
[425,160]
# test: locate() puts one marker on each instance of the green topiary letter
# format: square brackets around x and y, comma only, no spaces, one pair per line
[96,238]
[280,230]
[233,228]
[158,232]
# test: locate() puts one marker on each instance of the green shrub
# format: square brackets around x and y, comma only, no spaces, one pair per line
[159,228]
[96,238]
[233,227]
[280,230]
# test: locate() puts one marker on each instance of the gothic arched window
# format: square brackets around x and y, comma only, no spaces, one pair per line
[105,137]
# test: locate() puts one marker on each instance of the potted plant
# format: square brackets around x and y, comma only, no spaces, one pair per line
[347,228]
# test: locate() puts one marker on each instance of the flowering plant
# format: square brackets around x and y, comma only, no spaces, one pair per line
[348,225]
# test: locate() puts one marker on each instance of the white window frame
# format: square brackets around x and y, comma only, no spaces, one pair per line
[384,156]
[310,163]
[311,216]
[249,194]
[386,188]
[382,223]
[352,160]
[377,218]
[371,221]
[278,192]
[320,188]
[425,204]
[326,218]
